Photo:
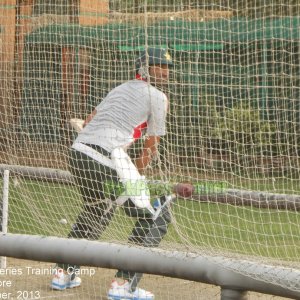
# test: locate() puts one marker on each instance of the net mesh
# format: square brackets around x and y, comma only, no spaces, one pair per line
[233,122]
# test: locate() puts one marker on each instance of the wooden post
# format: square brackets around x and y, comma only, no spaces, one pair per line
[23,27]
[7,46]
[7,23]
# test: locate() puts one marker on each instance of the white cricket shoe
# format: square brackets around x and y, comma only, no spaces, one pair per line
[62,280]
[122,292]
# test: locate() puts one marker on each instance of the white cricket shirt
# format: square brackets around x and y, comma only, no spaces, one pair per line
[123,115]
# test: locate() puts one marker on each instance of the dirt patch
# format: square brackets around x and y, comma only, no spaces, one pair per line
[26,279]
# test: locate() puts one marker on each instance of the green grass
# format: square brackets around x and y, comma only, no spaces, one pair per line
[36,208]
[243,230]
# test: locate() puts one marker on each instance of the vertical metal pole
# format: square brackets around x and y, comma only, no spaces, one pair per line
[5,210]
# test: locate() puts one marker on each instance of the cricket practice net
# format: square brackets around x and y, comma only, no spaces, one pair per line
[233,123]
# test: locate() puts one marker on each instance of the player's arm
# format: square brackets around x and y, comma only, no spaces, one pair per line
[78,124]
[89,117]
[149,150]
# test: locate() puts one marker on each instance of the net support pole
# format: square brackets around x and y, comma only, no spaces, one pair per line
[4,211]
[216,270]
[231,294]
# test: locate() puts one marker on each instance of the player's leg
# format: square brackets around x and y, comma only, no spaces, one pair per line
[147,232]
[96,183]
[90,177]
[149,229]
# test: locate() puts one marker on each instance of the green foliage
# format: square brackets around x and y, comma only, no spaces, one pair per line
[240,129]
[243,130]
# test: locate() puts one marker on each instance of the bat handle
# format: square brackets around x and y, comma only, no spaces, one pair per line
[160,203]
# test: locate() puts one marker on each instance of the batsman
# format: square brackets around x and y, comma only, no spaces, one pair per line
[99,161]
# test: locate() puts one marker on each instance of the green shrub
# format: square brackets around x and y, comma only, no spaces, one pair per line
[242,131]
